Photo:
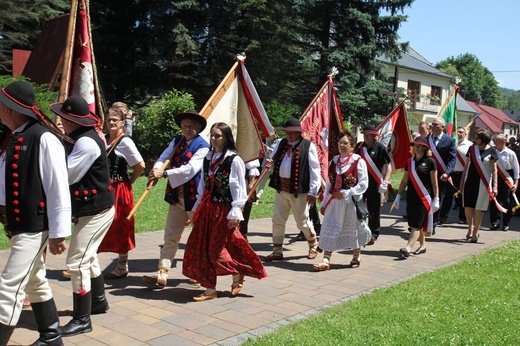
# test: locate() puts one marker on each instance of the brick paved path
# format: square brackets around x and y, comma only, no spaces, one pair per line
[293,290]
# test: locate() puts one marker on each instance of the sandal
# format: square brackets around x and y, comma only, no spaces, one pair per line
[204,297]
[236,288]
[313,250]
[355,263]
[273,257]
[322,266]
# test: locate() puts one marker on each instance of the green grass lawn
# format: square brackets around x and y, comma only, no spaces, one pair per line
[151,216]
[475,302]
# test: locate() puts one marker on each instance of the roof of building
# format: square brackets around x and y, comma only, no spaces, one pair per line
[462,105]
[491,117]
[515,115]
[414,61]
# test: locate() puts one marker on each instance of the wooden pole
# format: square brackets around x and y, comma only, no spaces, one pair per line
[67,56]
[154,182]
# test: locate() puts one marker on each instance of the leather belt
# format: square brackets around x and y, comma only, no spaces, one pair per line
[180,191]
[285,184]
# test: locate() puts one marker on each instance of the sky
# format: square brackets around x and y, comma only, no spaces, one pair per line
[490,30]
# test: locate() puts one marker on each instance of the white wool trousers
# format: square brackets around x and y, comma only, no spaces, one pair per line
[82,259]
[24,273]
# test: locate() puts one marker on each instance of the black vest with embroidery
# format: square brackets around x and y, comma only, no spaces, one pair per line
[26,203]
[93,193]
[300,175]
[219,183]
[118,165]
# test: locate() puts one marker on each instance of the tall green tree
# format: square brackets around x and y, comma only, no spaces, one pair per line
[20,24]
[477,82]
[350,35]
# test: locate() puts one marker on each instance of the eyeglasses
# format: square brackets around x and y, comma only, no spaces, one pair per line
[436,124]
[114,120]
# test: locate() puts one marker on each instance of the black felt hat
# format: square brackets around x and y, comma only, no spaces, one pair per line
[193,115]
[75,109]
[370,130]
[20,97]
[292,124]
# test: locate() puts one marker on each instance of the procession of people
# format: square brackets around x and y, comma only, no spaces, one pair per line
[49,178]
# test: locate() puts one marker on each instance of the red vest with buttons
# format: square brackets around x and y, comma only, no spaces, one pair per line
[93,193]
[26,204]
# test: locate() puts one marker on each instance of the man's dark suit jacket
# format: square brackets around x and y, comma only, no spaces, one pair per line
[447,151]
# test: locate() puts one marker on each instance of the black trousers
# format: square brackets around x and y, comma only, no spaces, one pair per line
[372,199]
[445,189]
[505,198]
[448,199]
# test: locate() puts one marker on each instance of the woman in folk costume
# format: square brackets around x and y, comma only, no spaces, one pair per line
[341,228]
[479,173]
[420,176]
[122,153]
[215,246]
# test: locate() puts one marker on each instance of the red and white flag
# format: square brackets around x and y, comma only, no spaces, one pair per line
[80,72]
[236,103]
[394,133]
[322,122]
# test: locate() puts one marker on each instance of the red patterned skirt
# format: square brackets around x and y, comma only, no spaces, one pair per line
[214,250]
[120,238]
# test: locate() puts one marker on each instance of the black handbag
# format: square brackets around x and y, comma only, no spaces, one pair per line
[361,209]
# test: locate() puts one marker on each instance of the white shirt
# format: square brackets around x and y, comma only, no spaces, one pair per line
[237,185]
[82,157]
[462,149]
[252,166]
[314,168]
[509,161]
[362,177]
[126,149]
[184,173]
[53,172]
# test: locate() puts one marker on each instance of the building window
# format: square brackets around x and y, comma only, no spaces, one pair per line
[414,92]
[435,96]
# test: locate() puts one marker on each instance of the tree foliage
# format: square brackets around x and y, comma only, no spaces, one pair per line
[477,82]
[145,48]
[156,126]
[20,24]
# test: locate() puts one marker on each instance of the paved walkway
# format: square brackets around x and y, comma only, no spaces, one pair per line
[293,290]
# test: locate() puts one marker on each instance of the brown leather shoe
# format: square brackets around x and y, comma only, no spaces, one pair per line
[204,297]
[273,257]
[154,281]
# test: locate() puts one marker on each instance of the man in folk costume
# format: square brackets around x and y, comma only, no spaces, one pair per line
[186,153]
[35,210]
[92,211]
[296,178]
[444,153]
[508,174]
[379,165]
[463,145]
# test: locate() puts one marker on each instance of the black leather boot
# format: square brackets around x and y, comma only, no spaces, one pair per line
[48,323]
[5,334]
[99,301]
[80,322]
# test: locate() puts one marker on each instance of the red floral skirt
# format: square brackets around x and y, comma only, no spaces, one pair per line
[214,250]
[120,238]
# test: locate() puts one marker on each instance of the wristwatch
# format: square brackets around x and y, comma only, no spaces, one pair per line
[165,175]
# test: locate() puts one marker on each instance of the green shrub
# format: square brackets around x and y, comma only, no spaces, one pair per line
[156,126]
